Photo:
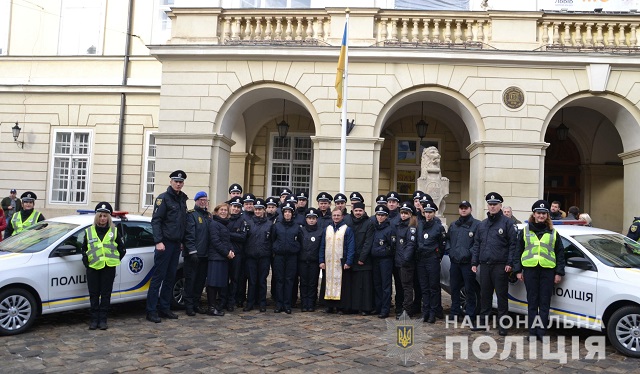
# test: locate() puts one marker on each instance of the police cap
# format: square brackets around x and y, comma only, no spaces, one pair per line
[272,201]
[541,206]
[104,207]
[340,198]
[494,198]
[178,176]
[356,196]
[381,199]
[235,188]
[429,206]
[236,201]
[324,196]
[393,195]
[258,204]
[248,198]
[382,209]
[28,196]
[407,206]
[302,195]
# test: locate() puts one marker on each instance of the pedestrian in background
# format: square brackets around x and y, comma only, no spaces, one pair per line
[102,249]
[169,223]
[10,205]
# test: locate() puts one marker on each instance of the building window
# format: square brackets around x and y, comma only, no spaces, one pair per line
[5,13]
[161,22]
[291,163]
[81,27]
[71,163]
[407,164]
[150,170]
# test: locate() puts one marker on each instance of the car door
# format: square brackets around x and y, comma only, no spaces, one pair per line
[574,297]
[135,267]
[67,281]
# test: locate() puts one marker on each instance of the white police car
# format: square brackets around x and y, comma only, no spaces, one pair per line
[599,290]
[41,269]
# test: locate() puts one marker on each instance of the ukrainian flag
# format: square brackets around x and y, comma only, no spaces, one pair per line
[341,65]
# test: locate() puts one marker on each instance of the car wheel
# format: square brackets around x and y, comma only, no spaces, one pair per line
[463,301]
[18,310]
[177,293]
[623,330]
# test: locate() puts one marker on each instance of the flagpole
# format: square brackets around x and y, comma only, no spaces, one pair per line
[343,136]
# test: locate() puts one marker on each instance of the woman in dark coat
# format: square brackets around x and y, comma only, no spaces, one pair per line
[286,245]
[220,251]
[359,297]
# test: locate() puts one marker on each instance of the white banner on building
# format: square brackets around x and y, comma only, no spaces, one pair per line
[433,4]
[589,5]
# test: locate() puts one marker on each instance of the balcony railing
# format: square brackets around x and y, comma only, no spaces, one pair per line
[408,28]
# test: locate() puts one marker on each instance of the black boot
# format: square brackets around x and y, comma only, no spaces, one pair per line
[93,324]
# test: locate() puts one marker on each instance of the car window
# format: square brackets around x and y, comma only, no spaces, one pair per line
[37,237]
[138,234]
[76,240]
[612,249]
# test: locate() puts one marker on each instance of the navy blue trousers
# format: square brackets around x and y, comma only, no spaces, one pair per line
[462,276]
[164,276]
[284,270]
[539,284]
[382,273]
[428,270]
[257,273]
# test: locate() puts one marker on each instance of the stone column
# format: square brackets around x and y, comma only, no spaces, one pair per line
[631,162]
[513,169]
[220,162]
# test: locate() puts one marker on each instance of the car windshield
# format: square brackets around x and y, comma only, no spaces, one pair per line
[36,238]
[612,249]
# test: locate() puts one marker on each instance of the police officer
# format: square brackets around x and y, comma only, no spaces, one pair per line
[393,201]
[235,190]
[430,249]
[271,209]
[196,242]
[634,229]
[102,249]
[238,231]
[540,264]
[248,200]
[169,224]
[286,246]
[302,198]
[26,217]
[404,260]
[382,251]
[494,250]
[460,237]
[258,253]
[324,219]
[311,236]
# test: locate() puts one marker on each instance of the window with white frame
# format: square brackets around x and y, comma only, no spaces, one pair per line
[149,170]
[5,12]
[81,27]
[71,164]
[290,163]
[161,22]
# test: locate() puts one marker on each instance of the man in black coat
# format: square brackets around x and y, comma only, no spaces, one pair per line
[494,250]
[169,223]
[196,245]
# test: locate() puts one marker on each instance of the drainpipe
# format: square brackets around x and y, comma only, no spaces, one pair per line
[123,106]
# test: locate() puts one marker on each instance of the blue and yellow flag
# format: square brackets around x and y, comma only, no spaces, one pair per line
[341,64]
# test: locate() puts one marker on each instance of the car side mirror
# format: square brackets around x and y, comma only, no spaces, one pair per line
[66,250]
[580,263]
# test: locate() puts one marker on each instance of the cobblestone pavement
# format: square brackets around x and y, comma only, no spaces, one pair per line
[253,342]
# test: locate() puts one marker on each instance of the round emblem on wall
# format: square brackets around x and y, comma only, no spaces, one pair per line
[513,97]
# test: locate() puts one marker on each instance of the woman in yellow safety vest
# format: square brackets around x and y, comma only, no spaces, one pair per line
[102,250]
[540,264]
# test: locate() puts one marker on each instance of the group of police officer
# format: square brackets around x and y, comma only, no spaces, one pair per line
[404,242]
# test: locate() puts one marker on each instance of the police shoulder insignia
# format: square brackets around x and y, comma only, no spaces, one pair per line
[158,202]
[500,231]
[199,219]
[393,238]
[413,238]
[381,242]
[634,228]
[313,238]
[401,241]
[471,234]
[412,230]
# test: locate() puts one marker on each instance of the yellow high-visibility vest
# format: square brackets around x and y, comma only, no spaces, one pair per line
[103,252]
[539,251]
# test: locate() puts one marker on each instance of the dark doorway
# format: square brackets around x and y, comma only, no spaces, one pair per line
[561,171]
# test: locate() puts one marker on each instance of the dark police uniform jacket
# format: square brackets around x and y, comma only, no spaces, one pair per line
[238,230]
[431,239]
[384,240]
[258,243]
[405,244]
[634,229]
[169,219]
[495,241]
[310,236]
[363,234]
[196,238]
[284,238]
[219,239]
[461,236]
